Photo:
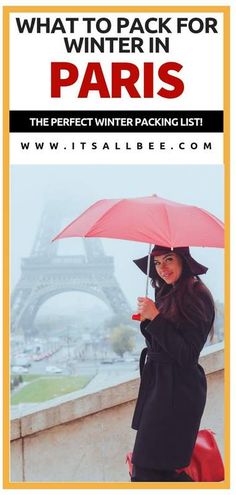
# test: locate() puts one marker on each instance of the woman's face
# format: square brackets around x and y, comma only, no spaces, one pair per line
[169,267]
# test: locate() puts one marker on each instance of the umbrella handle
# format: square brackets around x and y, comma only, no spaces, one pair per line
[137,317]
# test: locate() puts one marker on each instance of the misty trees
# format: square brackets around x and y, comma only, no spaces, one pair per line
[122,339]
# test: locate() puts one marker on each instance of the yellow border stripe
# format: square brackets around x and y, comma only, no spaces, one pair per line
[118,485]
[6,250]
[117,8]
[6,292]
[227,236]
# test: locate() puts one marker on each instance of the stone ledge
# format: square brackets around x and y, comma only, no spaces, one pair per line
[212,359]
[78,408]
[15,428]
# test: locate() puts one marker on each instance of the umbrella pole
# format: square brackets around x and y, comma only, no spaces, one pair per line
[138,316]
[148,269]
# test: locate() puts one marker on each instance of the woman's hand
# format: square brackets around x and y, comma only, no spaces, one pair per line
[147,308]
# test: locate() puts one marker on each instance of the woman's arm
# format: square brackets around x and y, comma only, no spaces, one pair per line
[183,345]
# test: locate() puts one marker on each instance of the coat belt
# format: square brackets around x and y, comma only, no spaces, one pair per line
[157,357]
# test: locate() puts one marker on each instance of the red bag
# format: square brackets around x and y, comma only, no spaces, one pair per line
[206,462]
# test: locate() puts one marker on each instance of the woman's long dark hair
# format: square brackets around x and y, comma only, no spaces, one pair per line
[186,301]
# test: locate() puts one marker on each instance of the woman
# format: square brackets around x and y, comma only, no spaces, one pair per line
[172,392]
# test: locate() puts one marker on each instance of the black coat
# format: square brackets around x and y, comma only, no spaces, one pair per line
[172,392]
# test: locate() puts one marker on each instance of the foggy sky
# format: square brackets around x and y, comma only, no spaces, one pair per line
[32,186]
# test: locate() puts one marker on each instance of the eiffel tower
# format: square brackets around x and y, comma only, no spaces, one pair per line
[45,274]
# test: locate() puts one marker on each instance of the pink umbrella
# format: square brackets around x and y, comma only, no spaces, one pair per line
[150,219]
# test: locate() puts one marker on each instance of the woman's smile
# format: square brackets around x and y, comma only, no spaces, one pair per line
[166,275]
[169,267]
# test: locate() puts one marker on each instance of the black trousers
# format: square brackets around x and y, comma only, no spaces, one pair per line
[144,474]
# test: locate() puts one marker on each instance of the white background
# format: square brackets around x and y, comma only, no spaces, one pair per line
[172,154]
[31,56]
[200,54]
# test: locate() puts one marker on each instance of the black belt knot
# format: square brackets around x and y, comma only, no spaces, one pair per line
[157,357]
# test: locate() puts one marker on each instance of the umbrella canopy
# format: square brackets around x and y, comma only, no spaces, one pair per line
[150,219]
